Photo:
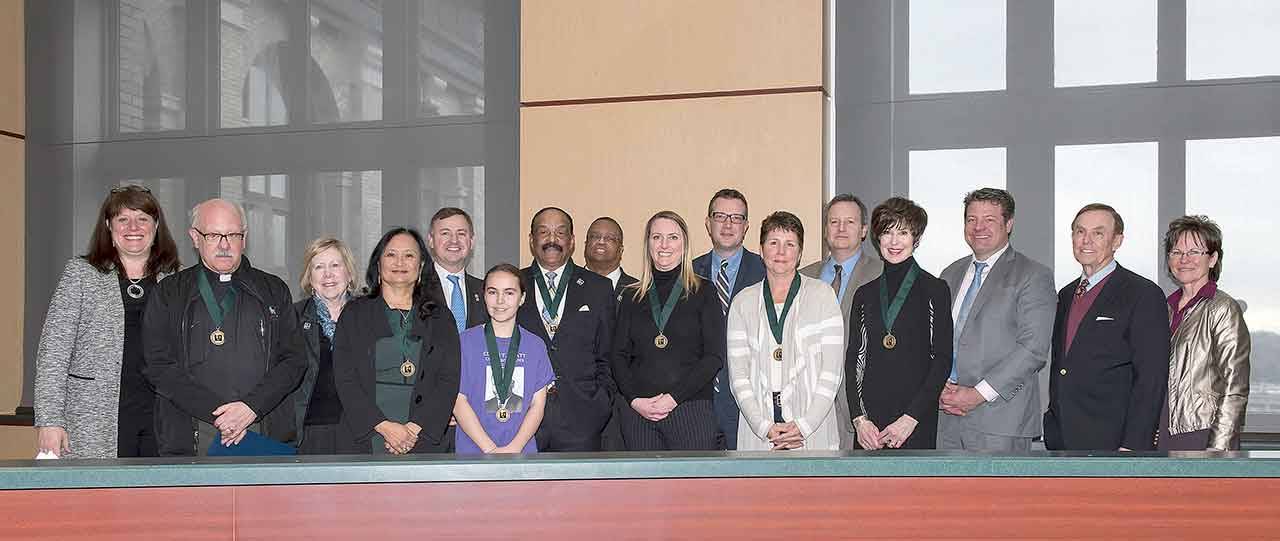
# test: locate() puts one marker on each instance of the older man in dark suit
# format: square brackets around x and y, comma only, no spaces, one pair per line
[602,252]
[572,311]
[1110,347]
[846,268]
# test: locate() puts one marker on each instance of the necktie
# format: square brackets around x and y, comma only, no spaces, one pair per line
[551,287]
[836,282]
[1084,285]
[458,304]
[722,286]
[965,305]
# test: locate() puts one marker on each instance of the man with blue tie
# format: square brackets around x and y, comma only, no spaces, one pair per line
[730,267]
[846,268]
[451,240]
[1003,307]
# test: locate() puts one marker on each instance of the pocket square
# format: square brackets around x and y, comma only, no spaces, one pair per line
[584,308]
[1105,318]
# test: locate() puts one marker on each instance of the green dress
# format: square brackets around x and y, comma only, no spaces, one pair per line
[393,391]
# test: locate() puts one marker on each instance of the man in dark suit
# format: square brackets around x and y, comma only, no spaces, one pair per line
[603,253]
[451,240]
[1110,347]
[729,267]
[847,268]
[572,310]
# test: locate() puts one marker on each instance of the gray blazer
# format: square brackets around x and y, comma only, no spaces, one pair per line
[77,380]
[1006,340]
[868,268]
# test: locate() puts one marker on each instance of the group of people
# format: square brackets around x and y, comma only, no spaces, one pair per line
[728,350]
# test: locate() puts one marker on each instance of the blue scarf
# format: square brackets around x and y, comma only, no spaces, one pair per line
[327,324]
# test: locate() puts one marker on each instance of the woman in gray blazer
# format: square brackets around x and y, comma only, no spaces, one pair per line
[91,400]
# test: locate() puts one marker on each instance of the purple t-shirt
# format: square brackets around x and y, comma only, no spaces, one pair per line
[533,373]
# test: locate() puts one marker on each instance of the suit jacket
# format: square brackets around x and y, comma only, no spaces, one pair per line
[477,314]
[623,281]
[1108,390]
[581,348]
[868,268]
[1005,340]
[750,270]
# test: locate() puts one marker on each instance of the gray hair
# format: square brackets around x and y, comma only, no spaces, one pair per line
[195,212]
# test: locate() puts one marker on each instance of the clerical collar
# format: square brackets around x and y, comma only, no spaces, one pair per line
[213,274]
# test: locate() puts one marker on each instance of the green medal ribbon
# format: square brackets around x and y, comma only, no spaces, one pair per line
[662,314]
[890,311]
[776,322]
[502,373]
[551,304]
[217,312]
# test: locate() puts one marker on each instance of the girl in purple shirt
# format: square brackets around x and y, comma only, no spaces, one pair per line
[505,374]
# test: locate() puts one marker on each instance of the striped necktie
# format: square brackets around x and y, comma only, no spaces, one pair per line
[722,286]
[838,280]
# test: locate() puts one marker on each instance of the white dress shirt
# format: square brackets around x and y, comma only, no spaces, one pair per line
[551,289]
[447,285]
[615,276]
[988,392]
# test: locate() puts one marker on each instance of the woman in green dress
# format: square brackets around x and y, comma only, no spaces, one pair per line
[396,355]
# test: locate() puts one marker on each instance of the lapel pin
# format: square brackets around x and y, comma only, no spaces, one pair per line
[306,326]
[579,281]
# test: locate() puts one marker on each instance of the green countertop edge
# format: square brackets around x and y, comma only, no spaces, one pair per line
[30,474]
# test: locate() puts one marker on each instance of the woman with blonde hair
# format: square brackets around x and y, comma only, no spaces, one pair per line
[668,345]
[328,281]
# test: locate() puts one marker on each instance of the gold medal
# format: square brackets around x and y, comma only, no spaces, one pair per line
[503,415]
[407,369]
[553,327]
[217,337]
[890,341]
[660,341]
[777,354]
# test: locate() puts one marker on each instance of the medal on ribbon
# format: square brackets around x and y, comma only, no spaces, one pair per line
[502,372]
[889,312]
[550,302]
[662,313]
[776,320]
[217,311]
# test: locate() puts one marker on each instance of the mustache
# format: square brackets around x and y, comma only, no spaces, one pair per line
[549,245]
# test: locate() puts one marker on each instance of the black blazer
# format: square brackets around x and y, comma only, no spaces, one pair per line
[477,314]
[581,349]
[1108,391]
[623,281]
[750,271]
[362,324]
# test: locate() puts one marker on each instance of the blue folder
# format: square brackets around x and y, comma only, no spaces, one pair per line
[253,444]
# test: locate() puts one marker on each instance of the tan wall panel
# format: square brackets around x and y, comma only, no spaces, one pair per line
[577,49]
[12,218]
[630,160]
[17,442]
[12,75]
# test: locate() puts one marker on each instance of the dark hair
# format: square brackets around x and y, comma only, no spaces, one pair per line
[1200,227]
[509,269]
[427,292]
[846,198]
[898,212]
[784,221]
[534,220]
[992,195]
[1103,207]
[102,253]
[727,193]
[612,221]
[449,212]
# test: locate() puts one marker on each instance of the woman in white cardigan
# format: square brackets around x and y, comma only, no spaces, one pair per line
[786,349]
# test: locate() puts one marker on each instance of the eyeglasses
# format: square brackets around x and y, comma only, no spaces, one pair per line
[217,238]
[735,219]
[592,239]
[131,188]
[1193,254]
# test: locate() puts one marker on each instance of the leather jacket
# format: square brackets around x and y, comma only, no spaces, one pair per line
[1209,371]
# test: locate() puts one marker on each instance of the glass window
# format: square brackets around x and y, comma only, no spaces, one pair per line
[1236,38]
[348,206]
[450,58]
[153,65]
[1221,173]
[252,39]
[461,187]
[956,46]
[1123,175]
[346,55]
[1103,42]
[939,180]
[267,217]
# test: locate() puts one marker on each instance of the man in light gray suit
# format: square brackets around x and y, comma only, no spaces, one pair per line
[1003,308]
[846,268]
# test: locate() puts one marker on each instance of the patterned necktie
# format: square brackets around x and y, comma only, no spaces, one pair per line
[837,281]
[1084,286]
[965,305]
[551,287]
[722,286]
[458,304]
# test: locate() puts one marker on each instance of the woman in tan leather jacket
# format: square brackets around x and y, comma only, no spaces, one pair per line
[1209,351]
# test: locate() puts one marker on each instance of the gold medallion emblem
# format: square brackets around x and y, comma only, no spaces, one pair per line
[503,415]
[660,341]
[407,369]
[777,354]
[890,341]
[217,337]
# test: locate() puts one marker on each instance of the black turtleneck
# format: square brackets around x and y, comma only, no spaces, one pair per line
[894,273]
[687,367]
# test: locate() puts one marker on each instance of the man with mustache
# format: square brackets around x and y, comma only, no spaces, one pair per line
[222,347]
[729,267]
[451,240]
[572,311]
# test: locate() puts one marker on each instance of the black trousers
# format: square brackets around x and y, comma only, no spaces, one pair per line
[690,427]
[571,422]
[334,439]
[136,435]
